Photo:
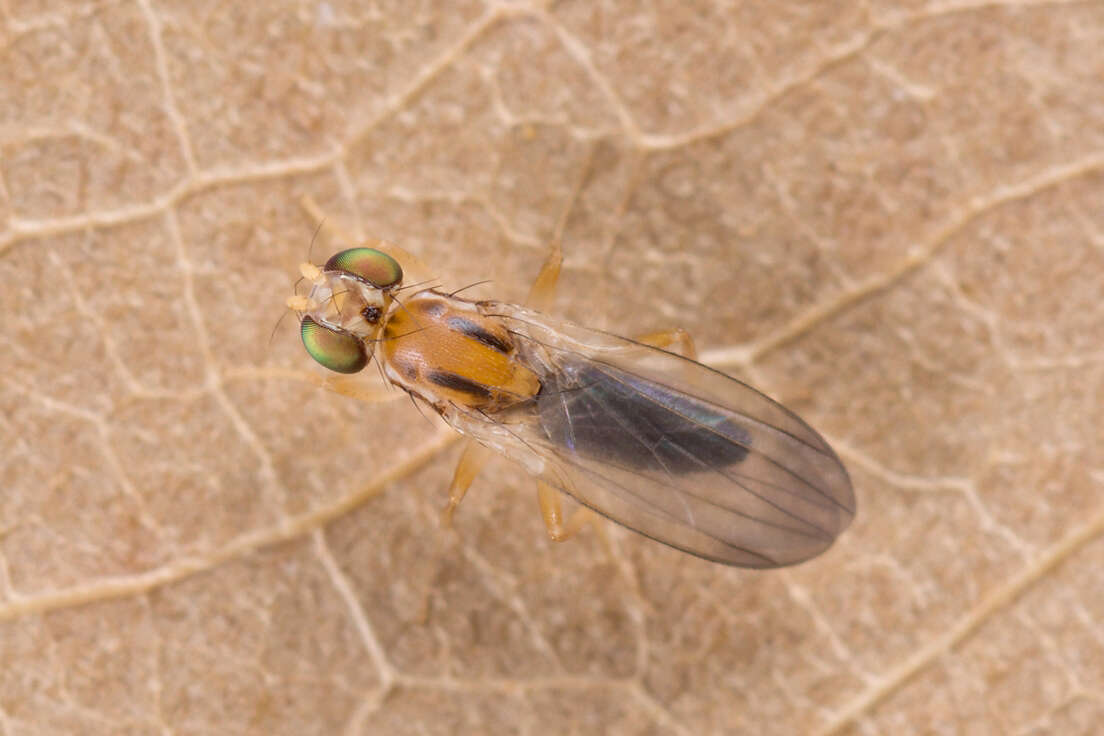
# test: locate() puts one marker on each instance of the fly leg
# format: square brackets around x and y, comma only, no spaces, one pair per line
[344,386]
[333,230]
[415,271]
[540,298]
[552,513]
[472,459]
[544,287]
[677,341]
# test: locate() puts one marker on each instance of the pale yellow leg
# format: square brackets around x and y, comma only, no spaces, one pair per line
[552,512]
[544,287]
[332,229]
[415,270]
[677,340]
[357,389]
[472,459]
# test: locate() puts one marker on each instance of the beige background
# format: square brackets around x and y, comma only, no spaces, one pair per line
[890,215]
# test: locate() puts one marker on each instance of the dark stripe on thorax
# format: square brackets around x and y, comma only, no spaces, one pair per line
[451,381]
[476,332]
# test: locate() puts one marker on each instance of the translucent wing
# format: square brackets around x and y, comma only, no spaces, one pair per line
[668,447]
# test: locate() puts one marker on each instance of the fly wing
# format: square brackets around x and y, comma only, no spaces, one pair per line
[668,447]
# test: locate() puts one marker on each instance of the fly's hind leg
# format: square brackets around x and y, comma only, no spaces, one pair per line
[552,513]
[677,341]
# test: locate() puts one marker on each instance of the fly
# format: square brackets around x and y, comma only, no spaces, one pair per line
[651,439]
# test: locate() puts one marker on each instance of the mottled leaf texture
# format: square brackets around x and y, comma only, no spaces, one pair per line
[887,215]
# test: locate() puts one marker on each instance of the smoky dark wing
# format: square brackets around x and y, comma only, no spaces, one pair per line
[671,448]
[613,416]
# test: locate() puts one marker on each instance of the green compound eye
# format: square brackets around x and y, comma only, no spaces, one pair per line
[367,264]
[341,352]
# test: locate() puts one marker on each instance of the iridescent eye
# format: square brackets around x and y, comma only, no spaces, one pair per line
[341,352]
[367,264]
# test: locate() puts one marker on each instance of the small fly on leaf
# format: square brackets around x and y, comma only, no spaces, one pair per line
[651,439]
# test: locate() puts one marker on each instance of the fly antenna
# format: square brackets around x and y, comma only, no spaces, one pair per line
[318,229]
[275,327]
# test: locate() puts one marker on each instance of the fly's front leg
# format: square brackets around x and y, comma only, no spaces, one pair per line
[333,230]
[472,459]
[344,386]
[415,271]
